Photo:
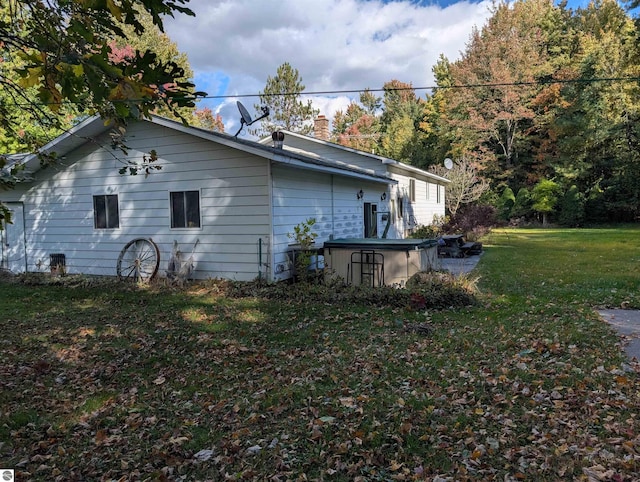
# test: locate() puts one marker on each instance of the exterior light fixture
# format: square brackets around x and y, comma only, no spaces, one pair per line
[360,194]
[383,197]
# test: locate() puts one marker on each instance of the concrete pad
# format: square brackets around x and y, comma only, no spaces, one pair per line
[459,266]
[627,324]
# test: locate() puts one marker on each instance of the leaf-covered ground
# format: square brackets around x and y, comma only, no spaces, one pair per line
[99,382]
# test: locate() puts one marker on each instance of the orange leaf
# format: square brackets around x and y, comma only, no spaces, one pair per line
[405,428]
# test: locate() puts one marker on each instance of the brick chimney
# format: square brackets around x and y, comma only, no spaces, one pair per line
[321,128]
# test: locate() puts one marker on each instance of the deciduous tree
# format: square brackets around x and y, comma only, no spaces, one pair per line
[59,54]
[465,186]
[65,50]
[545,198]
[359,126]
[597,124]
[153,39]
[400,120]
[206,119]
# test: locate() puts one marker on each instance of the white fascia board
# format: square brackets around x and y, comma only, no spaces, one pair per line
[415,170]
[67,141]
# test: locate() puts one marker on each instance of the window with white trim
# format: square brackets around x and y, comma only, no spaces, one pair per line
[185,209]
[105,211]
[412,190]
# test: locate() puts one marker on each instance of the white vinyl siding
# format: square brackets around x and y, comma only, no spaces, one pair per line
[247,203]
[428,200]
[234,200]
[330,199]
[418,197]
[12,241]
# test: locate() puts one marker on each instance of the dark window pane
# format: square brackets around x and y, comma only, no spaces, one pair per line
[185,209]
[99,212]
[177,210]
[193,209]
[113,217]
[105,211]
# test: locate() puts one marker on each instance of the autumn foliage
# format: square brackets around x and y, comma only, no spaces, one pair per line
[221,382]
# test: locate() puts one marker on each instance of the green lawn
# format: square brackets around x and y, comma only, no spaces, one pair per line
[100,382]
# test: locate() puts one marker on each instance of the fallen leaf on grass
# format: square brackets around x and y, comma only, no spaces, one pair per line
[598,473]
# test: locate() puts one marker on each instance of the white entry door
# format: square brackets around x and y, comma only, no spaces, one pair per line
[14,256]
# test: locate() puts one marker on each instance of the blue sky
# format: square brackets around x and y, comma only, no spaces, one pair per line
[234,45]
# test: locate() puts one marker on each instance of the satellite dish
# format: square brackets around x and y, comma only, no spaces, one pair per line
[245,117]
[448,163]
[244,113]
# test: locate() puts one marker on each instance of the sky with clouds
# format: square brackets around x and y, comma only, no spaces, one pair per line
[336,45]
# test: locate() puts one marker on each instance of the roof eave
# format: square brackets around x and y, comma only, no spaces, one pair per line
[384,160]
[274,154]
[416,170]
[69,140]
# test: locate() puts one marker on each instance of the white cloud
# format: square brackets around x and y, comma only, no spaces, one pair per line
[233,45]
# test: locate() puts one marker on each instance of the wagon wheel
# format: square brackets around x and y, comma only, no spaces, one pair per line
[138,260]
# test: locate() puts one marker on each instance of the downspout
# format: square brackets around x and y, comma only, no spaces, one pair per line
[3,259]
[24,239]
[270,250]
[333,209]
[259,259]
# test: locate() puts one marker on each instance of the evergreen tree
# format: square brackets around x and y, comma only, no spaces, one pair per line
[572,211]
[282,96]
[522,205]
[505,203]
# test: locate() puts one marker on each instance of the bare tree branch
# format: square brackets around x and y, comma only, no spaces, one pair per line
[465,186]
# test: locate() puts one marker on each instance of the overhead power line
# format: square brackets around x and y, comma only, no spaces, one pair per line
[383,89]
[435,87]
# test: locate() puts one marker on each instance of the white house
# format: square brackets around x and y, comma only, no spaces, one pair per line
[232,199]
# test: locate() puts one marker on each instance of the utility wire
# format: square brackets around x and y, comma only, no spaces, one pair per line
[436,87]
[394,89]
